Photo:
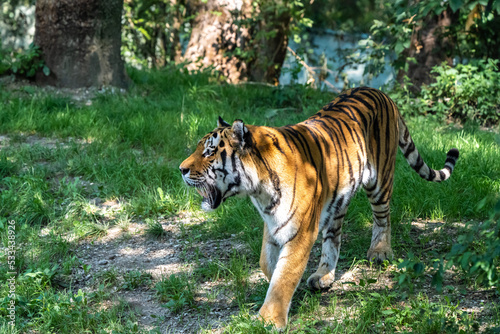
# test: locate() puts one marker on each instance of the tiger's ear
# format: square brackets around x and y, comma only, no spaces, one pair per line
[240,132]
[222,123]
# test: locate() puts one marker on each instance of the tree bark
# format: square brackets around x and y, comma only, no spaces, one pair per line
[80,41]
[430,47]
[271,48]
[224,37]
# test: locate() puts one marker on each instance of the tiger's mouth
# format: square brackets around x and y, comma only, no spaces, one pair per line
[212,197]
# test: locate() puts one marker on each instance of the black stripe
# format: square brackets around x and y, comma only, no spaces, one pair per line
[432,174]
[409,150]
[453,153]
[339,217]
[418,164]
[275,143]
[223,156]
[451,160]
[362,116]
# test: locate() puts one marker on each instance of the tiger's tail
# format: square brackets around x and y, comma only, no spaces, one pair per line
[416,162]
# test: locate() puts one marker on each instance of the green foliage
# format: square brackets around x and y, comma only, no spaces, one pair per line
[410,268]
[155,31]
[470,36]
[152,32]
[107,277]
[155,228]
[23,63]
[468,92]
[176,291]
[356,16]
[477,252]
[134,279]
[424,316]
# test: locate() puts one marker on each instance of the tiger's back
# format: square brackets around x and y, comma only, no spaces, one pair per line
[301,179]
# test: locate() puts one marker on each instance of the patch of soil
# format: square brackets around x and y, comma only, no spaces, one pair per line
[130,248]
[78,96]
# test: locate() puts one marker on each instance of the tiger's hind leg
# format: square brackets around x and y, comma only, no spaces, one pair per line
[380,197]
[330,250]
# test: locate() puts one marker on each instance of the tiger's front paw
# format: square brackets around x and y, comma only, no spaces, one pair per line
[380,254]
[274,316]
[318,281]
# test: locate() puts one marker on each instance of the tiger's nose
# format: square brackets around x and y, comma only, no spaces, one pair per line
[184,171]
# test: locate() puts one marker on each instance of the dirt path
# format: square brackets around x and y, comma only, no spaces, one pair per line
[131,249]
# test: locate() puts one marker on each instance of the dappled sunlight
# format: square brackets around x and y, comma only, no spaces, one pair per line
[20,139]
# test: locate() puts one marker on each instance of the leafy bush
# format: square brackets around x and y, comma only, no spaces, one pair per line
[24,63]
[468,91]
[464,92]
[477,253]
[472,34]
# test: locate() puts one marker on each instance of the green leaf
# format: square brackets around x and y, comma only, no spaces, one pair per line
[419,268]
[437,281]
[46,70]
[145,33]
[399,48]
[349,283]
[455,5]
[496,6]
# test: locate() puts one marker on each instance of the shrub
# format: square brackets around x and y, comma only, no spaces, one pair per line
[23,63]
[466,92]
[477,253]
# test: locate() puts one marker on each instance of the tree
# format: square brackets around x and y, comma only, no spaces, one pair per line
[430,45]
[243,40]
[80,41]
[421,34]
[151,33]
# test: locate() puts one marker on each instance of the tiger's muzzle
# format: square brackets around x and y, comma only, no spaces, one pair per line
[212,196]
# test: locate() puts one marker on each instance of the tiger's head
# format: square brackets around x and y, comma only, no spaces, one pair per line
[215,168]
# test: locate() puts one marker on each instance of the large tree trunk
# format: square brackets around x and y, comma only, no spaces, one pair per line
[224,37]
[430,47]
[271,48]
[80,41]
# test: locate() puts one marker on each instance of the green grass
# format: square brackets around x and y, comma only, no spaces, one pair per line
[63,155]
[176,291]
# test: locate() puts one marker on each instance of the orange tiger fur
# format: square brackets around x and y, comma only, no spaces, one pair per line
[301,179]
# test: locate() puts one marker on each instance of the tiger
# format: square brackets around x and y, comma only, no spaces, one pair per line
[301,178]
